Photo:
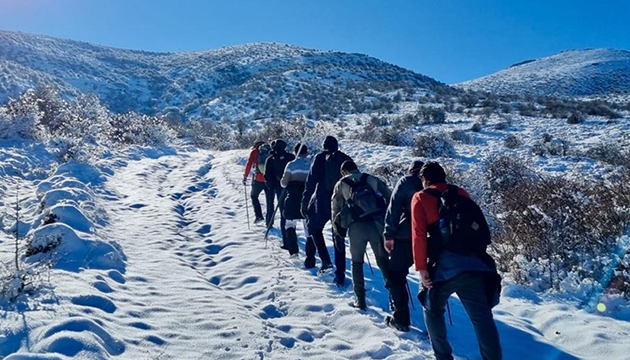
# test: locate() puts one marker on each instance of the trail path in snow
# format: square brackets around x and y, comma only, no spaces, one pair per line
[200,285]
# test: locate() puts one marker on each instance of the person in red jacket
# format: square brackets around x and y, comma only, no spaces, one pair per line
[443,272]
[256,160]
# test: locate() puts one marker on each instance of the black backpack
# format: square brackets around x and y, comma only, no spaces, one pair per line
[462,227]
[364,203]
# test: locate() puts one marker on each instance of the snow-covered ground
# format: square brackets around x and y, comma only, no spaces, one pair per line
[157,262]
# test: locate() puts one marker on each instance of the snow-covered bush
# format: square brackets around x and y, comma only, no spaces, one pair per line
[555,222]
[609,153]
[434,145]
[576,117]
[511,141]
[476,127]
[462,136]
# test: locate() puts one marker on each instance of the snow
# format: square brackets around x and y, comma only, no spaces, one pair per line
[156,261]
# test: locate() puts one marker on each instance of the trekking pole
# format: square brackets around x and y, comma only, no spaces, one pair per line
[413,306]
[448,309]
[368,261]
[246,204]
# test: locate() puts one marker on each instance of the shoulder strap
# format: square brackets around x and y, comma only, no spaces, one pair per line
[349,182]
[433,192]
[364,178]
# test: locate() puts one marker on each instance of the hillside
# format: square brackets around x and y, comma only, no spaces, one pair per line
[592,72]
[251,81]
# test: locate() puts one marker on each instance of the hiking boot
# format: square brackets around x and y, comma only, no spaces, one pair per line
[325,268]
[309,263]
[294,256]
[283,247]
[391,322]
[359,303]
[257,220]
[340,281]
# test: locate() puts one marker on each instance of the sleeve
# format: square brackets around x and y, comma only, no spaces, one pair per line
[337,201]
[419,232]
[270,173]
[384,190]
[253,155]
[394,213]
[312,180]
[286,177]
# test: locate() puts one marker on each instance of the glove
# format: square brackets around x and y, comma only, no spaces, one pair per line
[244,181]
[389,245]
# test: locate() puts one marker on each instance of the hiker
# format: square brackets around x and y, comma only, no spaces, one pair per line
[257,158]
[398,244]
[274,169]
[358,204]
[294,180]
[453,261]
[322,177]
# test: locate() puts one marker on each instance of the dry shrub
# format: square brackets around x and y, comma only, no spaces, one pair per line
[434,145]
[556,222]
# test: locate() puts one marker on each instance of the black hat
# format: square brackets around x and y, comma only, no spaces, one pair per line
[415,166]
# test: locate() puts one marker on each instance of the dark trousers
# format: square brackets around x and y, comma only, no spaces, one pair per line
[469,287]
[360,235]
[280,196]
[401,258]
[257,188]
[315,241]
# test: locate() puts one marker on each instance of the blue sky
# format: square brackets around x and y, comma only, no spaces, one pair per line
[450,40]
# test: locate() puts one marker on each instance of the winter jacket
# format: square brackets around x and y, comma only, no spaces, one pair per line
[276,163]
[324,173]
[252,161]
[294,180]
[398,216]
[424,216]
[340,214]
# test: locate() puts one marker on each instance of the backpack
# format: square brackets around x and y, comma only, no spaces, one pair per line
[462,227]
[364,203]
[264,151]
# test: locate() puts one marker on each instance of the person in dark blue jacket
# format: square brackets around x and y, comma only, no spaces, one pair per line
[398,244]
[316,208]
[274,169]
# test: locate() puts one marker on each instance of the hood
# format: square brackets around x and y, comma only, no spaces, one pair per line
[279,145]
[330,144]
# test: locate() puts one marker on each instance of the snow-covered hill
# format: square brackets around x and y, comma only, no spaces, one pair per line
[251,81]
[592,72]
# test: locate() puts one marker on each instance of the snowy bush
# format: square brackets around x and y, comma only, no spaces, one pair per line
[609,153]
[434,145]
[476,127]
[462,136]
[576,117]
[555,222]
[555,147]
[511,141]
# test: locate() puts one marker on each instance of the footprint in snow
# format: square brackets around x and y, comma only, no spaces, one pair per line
[117,276]
[137,206]
[205,229]
[103,287]
[95,301]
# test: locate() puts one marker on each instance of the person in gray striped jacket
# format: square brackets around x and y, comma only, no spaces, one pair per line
[293,180]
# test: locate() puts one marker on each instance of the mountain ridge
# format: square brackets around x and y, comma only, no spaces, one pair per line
[247,80]
[569,73]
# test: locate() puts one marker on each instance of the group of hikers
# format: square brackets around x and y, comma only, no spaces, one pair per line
[423,221]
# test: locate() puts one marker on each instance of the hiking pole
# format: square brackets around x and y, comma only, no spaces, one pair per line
[368,261]
[246,204]
[448,309]
[413,306]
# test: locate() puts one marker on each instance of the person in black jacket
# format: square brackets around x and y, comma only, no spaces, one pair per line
[322,177]
[398,243]
[274,169]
